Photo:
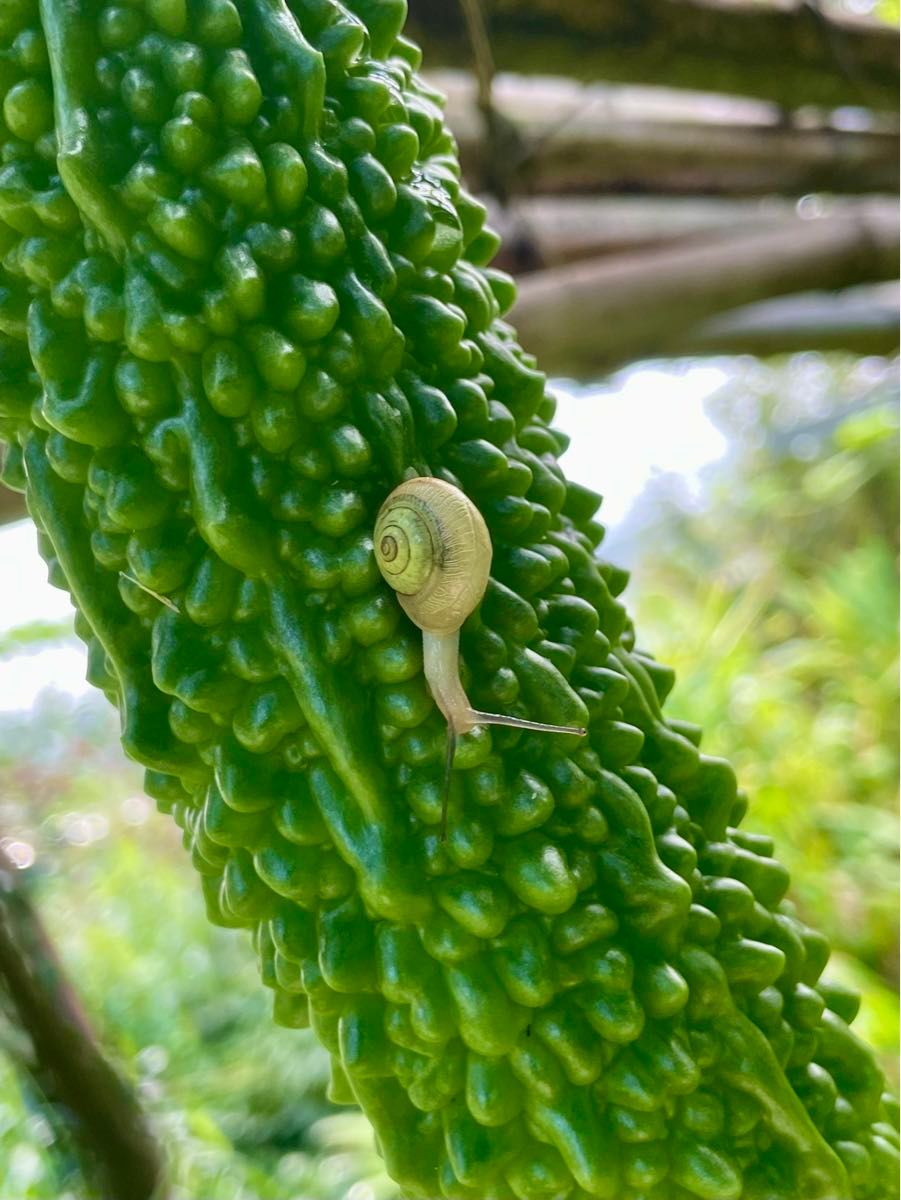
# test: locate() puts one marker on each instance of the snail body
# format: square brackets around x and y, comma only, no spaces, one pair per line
[433,547]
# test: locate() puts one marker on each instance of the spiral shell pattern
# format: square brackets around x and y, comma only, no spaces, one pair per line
[432,546]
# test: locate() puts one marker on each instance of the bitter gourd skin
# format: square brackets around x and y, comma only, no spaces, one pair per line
[243,297]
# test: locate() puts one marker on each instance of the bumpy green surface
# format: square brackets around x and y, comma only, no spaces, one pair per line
[242,294]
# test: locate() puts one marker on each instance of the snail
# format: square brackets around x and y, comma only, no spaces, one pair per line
[433,547]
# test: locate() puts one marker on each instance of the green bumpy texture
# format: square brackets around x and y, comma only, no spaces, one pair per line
[243,293]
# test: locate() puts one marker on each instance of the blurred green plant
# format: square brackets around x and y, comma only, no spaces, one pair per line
[776,601]
[36,635]
[888,11]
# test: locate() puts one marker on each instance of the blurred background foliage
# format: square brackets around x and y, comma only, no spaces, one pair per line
[776,600]
[773,591]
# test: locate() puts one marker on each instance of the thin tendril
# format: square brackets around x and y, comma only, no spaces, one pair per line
[448,766]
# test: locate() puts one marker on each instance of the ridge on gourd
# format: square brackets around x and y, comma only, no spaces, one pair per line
[243,293]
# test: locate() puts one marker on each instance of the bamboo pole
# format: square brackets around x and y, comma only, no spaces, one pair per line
[787,51]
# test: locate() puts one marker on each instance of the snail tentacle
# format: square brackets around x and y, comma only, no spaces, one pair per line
[486,718]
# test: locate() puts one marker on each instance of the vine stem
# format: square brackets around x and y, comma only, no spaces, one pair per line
[62,1058]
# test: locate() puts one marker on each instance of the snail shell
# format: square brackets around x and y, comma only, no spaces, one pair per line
[433,547]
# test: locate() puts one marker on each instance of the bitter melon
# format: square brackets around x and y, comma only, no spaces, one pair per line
[243,295]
